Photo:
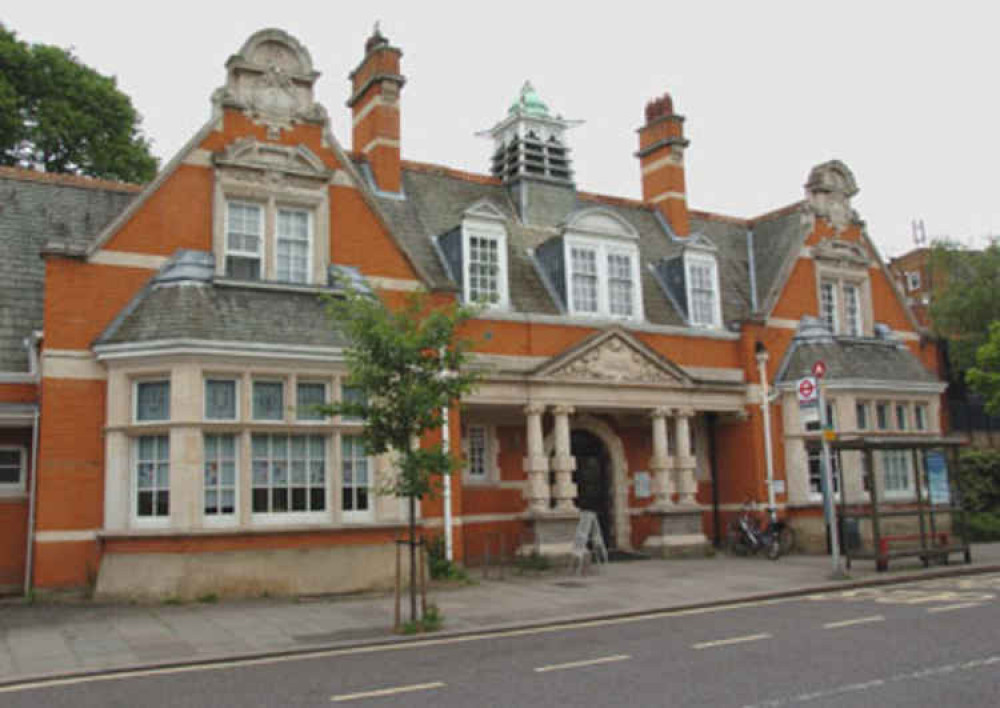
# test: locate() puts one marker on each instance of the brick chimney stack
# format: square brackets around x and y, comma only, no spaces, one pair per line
[374,103]
[661,157]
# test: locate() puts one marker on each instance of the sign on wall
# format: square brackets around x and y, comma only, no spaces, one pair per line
[643,488]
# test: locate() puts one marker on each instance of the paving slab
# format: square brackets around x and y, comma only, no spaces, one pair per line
[51,639]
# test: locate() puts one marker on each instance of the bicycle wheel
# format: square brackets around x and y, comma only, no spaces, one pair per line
[734,542]
[774,549]
[786,539]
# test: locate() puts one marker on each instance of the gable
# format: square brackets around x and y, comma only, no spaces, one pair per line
[613,356]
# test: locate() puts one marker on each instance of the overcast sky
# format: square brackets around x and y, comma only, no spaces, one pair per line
[905,93]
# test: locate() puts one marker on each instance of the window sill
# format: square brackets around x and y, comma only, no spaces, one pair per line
[235,530]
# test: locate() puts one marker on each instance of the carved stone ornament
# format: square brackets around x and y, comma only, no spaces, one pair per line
[250,160]
[844,254]
[271,79]
[614,360]
[829,191]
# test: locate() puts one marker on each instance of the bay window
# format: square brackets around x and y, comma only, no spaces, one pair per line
[221,399]
[288,473]
[897,473]
[356,479]
[268,400]
[220,476]
[151,477]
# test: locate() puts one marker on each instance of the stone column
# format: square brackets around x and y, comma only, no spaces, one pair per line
[563,463]
[536,463]
[660,462]
[684,463]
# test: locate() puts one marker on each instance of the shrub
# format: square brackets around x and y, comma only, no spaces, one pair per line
[984,526]
[979,477]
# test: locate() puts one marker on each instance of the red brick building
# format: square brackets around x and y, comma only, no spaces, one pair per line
[163,378]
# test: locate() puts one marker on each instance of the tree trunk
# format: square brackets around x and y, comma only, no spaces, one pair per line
[413,559]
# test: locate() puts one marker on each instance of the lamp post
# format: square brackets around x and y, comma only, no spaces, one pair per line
[449,552]
[762,356]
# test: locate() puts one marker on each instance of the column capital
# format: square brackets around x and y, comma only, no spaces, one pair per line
[563,410]
[684,412]
[660,412]
[534,409]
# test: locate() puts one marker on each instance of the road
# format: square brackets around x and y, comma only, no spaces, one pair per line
[931,643]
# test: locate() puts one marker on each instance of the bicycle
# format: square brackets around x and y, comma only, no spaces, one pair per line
[745,535]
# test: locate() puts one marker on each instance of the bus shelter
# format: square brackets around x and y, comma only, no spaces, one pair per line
[931,524]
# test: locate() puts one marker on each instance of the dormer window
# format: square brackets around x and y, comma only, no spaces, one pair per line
[603,278]
[476,255]
[702,278]
[294,244]
[844,291]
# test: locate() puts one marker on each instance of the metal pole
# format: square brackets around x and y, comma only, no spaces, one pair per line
[828,500]
[765,411]
[29,565]
[446,446]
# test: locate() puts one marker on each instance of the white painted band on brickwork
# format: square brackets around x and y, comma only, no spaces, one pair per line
[782,323]
[669,195]
[198,157]
[380,142]
[372,105]
[407,286]
[341,178]
[71,364]
[65,536]
[668,161]
[128,259]
[6,378]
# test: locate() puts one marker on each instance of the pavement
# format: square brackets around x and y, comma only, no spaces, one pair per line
[45,639]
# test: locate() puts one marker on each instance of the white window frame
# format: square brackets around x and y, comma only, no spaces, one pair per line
[912,280]
[691,260]
[293,518]
[907,457]
[602,248]
[355,515]
[221,519]
[235,380]
[491,448]
[902,422]
[888,415]
[284,399]
[920,416]
[262,242]
[18,487]
[852,325]
[310,231]
[298,406]
[863,407]
[155,521]
[475,228]
[815,449]
[829,307]
[135,399]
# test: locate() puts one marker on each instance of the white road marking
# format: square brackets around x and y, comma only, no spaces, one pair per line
[960,606]
[585,662]
[731,640]
[850,622]
[387,691]
[875,683]
[123,674]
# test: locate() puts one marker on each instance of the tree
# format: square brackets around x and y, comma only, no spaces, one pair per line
[965,301]
[984,377]
[59,115]
[410,366]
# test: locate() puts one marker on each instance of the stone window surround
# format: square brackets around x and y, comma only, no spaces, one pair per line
[602,247]
[280,194]
[839,276]
[16,488]
[186,430]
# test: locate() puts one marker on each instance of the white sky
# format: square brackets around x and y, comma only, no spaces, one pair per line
[905,93]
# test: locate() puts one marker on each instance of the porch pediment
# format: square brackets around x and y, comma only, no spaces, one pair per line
[613,356]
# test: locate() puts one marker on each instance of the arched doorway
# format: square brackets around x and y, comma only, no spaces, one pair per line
[593,480]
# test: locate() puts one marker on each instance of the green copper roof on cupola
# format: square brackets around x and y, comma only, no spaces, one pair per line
[529,102]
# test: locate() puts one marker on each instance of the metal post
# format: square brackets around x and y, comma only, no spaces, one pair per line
[765,411]
[828,500]
[446,447]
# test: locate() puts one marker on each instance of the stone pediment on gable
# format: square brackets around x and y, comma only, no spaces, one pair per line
[613,356]
[485,209]
[252,154]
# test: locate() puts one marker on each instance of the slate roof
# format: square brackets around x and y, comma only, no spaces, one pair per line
[34,208]
[224,313]
[436,198]
[868,359]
